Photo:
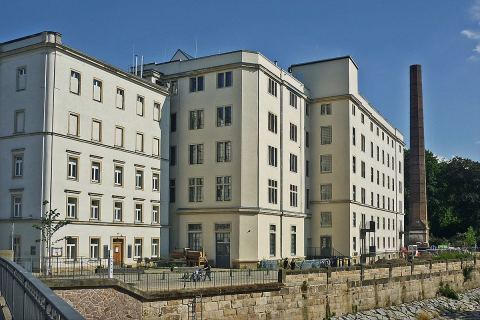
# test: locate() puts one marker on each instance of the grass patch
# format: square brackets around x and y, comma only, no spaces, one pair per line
[452,255]
[448,292]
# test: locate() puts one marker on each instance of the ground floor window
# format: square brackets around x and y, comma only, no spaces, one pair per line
[138,248]
[94,248]
[155,247]
[195,236]
[273,240]
[72,247]
[293,241]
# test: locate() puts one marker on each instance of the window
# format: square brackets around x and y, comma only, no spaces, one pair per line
[97,90]
[75,82]
[72,168]
[195,154]
[353,136]
[19,124]
[73,125]
[72,204]
[156,111]
[325,219]
[388,160]
[272,122]
[354,219]
[383,156]
[363,196]
[307,168]
[371,174]
[174,87]
[272,87]
[95,209]
[119,137]
[173,122]
[196,120]
[399,166]
[195,189]
[307,139]
[224,116]
[95,172]
[362,169]
[293,195]
[272,191]
[293,163]
[325,163]
[388,224]
[272,156]
[293,100]
[156,146]
[307,198]
[378,177]
[354,192]
[155,182]
[140,105]
[400,187]
[307,109]
[173,155]
[362,141]
[138,212]
[71,246]
[353,109]
[293,240]
[224,79]
[293,132]
[371,149]
[17,205]
[94,248]
[139,142]
[378,153]
[383,223]
[120,99]
[196,84]
[117,211]
[354,243]
[96,130]
[155,213]
[325,192]
[354,164]
[224,188]
[18,165]
[326,109]
[224,151]
[138,179]
[118,175]
[273,239]
[21,78]
[138,248]
[362,117]
[371,126]
[172,190]
[325,135]
[195,236]
[155,247]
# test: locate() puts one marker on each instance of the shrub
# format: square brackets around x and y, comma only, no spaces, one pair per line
[448,292]
[467,273]
[452,255]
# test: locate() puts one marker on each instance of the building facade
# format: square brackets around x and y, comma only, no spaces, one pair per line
[92,141]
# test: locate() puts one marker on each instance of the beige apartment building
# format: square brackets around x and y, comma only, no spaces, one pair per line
[90,139]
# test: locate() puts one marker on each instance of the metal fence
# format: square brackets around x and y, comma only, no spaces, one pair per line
[28,298]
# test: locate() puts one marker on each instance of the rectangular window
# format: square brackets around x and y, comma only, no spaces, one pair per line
[378,153]
[174,87]
[75,81]
[173,155]
[224,79]
[293,100]
[371,150]
[272,122]
[18,165]
[155,182]
[272,156]
[353,109]
[19,124]
[399,166]
[156,111]
[293,163]
[72,204]
[293,240]
[307,198]
[293,132]
[195,154]
[224,116]
[326,109]
[272,87]
[362,140]
[138,248]
[96,130]
[156,146]
[273,240]
[155,247]
[117,211]
[354,192]
[363,196]
[354,137]
[197,84]
[195,236]
[155,213]
[94,248]
[138,212]
[307,139]
[307,168]
[354,164]
[120,99]
[72,168]
[272,191]
[371,199]
[325,219]
[325,192]
[95,172]
[354,219]
[21,78]
[73,124]
[172,190]
[95,209]
[140,105]
[224,188]
[97,90]
[325,135]
[196,120]
[362,117]
[224,151]
[71,246]
[400,187]
[195,189]
[138,179]
[371,174]
[118,175]
[139,145]
[119,135]
[293,195]
[173,122]
[354,243]
[17,205]
[326,163]
[362,169]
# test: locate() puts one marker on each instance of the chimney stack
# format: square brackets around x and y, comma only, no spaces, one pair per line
[418,226]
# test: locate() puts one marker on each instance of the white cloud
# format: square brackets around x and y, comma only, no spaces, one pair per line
[477,49]
[470,34]
[475,11]
[474,34]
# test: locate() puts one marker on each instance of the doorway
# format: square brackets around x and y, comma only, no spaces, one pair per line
[222,249]
[117,247]
[326,246]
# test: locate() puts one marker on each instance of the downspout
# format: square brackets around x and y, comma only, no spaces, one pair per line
[42,197]
[281,168]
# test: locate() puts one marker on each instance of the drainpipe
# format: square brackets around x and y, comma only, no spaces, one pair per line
[281,169]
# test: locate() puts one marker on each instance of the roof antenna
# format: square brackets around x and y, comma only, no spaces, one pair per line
[196,47]
[133,59]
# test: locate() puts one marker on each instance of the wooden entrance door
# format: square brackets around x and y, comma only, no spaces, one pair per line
[117,248]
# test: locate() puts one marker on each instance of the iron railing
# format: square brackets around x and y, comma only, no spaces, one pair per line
[28,298]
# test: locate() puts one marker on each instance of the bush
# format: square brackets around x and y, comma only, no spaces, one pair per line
[467,273]
[448,292]
[452,255]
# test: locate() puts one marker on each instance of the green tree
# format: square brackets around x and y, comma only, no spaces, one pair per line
[470,237]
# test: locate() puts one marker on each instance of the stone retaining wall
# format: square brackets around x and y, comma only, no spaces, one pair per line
[303,295]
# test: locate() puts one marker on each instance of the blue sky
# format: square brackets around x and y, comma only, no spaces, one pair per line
[383,37]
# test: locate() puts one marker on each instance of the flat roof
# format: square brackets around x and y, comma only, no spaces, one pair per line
[325,60]
[30,36]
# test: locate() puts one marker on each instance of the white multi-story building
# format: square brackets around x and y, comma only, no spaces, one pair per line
[90,139]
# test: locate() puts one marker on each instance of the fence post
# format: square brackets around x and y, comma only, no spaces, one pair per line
[282,276]
[231,278]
